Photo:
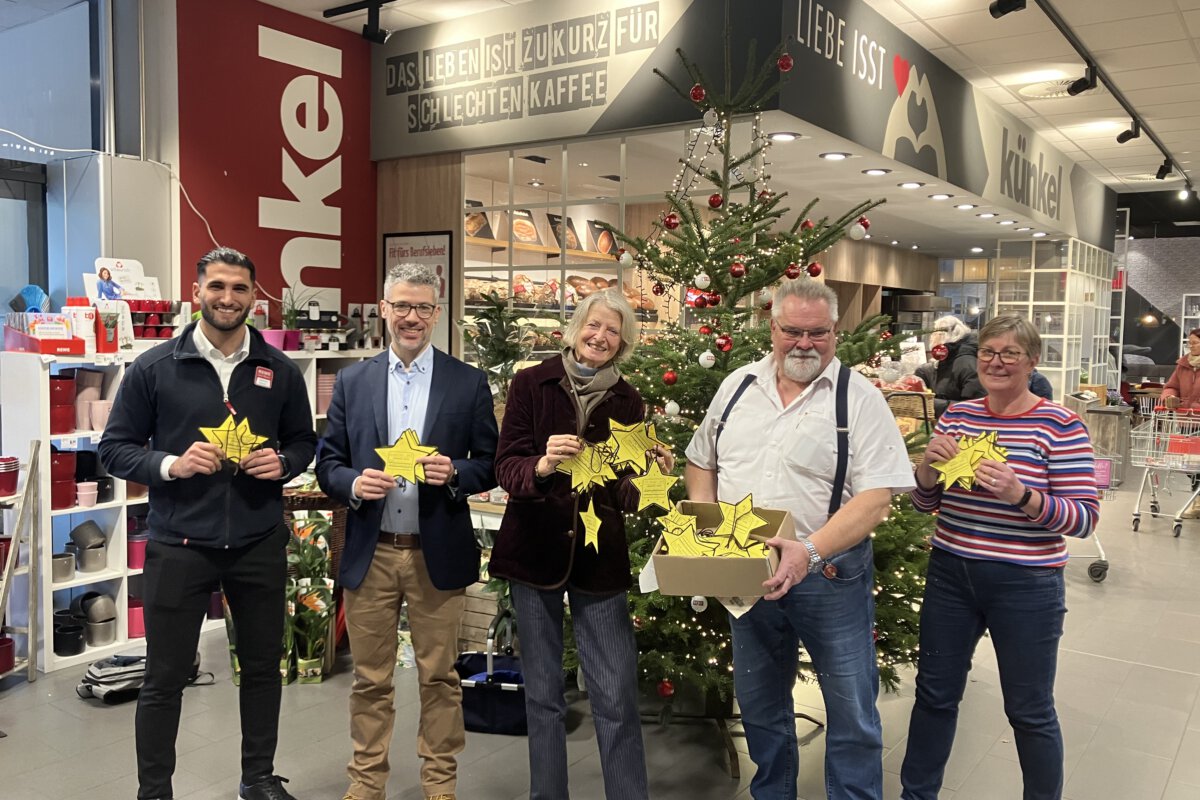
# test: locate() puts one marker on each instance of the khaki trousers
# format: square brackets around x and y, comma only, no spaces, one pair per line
[372,615]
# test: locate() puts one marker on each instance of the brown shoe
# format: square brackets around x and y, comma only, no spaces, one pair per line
[441,797]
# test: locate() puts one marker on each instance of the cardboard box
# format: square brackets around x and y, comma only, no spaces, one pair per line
[720,577]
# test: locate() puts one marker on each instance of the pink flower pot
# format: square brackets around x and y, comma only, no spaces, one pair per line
[275,337]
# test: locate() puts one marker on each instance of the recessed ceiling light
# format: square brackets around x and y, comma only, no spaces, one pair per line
[1038,234]
[894,241]
[535,183]
[868,236]
[914,247]
[876,172]
[976,249]
[986,215]
[910,185]
[1024,228]
[940,196]
[784,136]
[965,206]
[835,156]
[583,163]
[1130,237]
[1007,222]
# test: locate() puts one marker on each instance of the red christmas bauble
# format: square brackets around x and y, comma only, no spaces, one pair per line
[715,200]
[705,330]
[792,271]
[669,377]
[714,299]
[698,94]
[813,269]
[556,334]
[767,306]
[807,225]
[885,335]
[785,63]
[671,221]
[737,240]
[764,196]
[637,623]
[940,352]
[737,269]
[724,342]
[666,689]
[701,301]
[866,223]
[658,289]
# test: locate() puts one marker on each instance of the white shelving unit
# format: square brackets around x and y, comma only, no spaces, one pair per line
[24,419]
[1189,319]
[19,572]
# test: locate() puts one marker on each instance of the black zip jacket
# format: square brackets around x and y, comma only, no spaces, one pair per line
[166,396]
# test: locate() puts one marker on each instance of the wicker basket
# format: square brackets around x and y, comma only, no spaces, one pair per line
[303,502]
[918,405]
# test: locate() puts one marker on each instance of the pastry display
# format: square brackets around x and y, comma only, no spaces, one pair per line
[564,231]
[523,228]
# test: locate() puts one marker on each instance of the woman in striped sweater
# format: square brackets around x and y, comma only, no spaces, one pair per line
[998,553]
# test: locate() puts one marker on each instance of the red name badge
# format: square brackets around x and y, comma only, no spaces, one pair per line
[263,377]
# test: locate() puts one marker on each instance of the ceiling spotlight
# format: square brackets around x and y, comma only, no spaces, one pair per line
[783,136]
[1081,85]
[940,196]
[866,236]
[876,172]
[1038,234]
[371,31]
[1135,130]
[1164,170]
[1186,192]
[976,249]
[835,156]
[986,215]
[1007,222]
[965,206]
[910,185]
[914,247]
[895,242]
[999,8]
[583,163]
[1024,228]
[535,183]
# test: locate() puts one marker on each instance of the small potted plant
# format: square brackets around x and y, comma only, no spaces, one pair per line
[311,601]
[499,339]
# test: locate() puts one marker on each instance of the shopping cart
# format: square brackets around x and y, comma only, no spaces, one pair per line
[1168,442]
[1106,465]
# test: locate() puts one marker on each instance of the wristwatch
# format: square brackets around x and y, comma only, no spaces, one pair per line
[815,562]
[283,462]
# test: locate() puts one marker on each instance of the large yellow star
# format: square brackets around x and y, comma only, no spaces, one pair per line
[236,440]
[679,533]
[400,460]
[591,526]
[630,444]
[971,450]
[653,488]
[589,467]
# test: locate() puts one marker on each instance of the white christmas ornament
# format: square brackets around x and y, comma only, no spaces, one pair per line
[856,232]
[707,359]
[711,118]
[702,281]
[699,603]
[671,408]
[626,258]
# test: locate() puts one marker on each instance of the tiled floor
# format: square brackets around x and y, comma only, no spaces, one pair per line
[1128,681]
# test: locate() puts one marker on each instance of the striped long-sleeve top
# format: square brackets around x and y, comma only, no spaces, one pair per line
[1050,452]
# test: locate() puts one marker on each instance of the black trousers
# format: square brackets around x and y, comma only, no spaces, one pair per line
[178,581]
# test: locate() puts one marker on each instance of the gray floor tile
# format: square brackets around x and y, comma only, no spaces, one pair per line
[1106,772]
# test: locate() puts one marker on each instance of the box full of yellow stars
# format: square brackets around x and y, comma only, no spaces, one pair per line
[717,550]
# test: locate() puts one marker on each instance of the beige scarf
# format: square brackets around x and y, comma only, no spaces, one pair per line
[1194,361]
[587,390]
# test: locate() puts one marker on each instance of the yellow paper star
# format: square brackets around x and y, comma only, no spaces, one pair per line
[589,467]
[235,439]
[652,489]
[745,521]
[630,444]
[591,526]
[971,450]
[400,460]
[679,533]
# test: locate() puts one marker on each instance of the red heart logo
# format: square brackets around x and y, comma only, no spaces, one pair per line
[900,73]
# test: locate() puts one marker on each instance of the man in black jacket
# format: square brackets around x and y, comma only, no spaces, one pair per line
[216,511]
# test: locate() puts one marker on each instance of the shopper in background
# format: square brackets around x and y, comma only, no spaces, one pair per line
[996,566]
[955,377]
[213,523]
[407,542]
[1183,392]
[1039,384]
[553,409]
[781,442]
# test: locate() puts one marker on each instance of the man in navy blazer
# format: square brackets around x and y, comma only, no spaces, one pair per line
[407,540]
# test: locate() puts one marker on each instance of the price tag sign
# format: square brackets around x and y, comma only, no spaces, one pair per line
[68,443]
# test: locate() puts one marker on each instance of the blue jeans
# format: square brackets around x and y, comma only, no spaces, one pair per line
[1023,609]
[834,618]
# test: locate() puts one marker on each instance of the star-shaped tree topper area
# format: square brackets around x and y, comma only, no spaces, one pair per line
[589,467]
[738,520]
[630,444]
[653,489]
[235,439]
[591,526]
[400,460]
[971,450]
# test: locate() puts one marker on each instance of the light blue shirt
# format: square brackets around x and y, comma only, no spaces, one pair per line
[407,402]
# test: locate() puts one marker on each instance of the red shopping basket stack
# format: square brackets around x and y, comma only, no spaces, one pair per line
[493,688]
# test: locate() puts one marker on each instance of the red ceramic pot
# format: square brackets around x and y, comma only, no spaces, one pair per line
[7,654]
[62,390]
[164,332]
[8,482]
[137,619]
[139,331]
[62,494]
[62,419]
[62,466]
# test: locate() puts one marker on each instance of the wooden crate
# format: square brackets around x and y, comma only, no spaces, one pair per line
[481,608]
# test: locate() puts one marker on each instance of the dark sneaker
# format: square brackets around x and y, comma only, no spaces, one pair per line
[267,789]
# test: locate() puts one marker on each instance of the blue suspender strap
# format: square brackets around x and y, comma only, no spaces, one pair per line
[842,411]
[745,384]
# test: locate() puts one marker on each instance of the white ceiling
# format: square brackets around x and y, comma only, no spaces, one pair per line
[1148,48]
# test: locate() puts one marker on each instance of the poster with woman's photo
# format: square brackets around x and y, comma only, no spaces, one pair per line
[120,279]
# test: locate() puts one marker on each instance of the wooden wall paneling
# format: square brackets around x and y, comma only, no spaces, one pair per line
[880,265]
[423,193]
[872,301]
[849,303]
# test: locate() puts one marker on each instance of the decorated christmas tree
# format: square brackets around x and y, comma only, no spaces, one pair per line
[716,262]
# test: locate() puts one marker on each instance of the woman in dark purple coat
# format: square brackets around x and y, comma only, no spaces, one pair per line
[544,550]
